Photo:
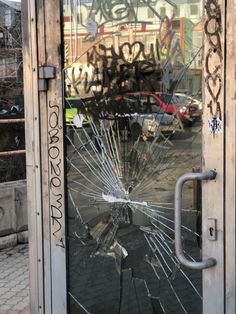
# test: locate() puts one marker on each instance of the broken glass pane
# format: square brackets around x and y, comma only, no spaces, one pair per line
[133,125]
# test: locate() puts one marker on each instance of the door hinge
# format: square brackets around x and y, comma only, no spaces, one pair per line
[45,73]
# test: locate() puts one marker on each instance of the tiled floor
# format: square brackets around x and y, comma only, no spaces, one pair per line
[14,280]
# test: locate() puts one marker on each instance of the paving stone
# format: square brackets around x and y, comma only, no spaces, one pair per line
[23,293]
[13,300]
[9,295]
[4,274]
[2,284]
[4,290]
[11,284]
[20,306]
[25,311]
[16,308]
[5,307]
[14,280]
[18,287]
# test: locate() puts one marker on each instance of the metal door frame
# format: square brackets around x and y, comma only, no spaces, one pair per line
[45,155]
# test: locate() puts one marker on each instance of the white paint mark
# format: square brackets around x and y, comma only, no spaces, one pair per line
[78,120]
[113,199]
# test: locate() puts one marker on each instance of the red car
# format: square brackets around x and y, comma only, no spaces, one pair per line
[167,102]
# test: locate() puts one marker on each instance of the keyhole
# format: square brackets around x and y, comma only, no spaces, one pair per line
[211,229]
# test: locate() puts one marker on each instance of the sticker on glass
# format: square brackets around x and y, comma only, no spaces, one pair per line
[215,125]
[78,120]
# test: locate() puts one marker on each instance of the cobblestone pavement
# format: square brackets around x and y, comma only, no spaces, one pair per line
[14,280]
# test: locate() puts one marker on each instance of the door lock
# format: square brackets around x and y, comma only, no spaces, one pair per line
[212,231]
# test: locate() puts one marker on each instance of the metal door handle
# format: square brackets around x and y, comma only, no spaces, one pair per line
[209,175]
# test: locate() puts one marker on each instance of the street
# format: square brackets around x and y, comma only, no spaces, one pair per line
[121,195]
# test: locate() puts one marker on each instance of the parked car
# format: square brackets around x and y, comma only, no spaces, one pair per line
[194,105]
[185,107]
[153,125]
[144,120]
[170,104]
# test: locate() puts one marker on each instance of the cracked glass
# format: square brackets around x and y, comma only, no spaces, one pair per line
[133,115]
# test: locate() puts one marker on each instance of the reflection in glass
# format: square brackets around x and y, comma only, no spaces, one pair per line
[133,126]
[12,130]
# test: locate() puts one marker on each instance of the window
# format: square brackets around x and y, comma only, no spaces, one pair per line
[193,9]
[155,104]
[2,41]
[163,11]
[153,100]
[176,11]
[150,14]
[131,16]
[143,99]
[80,18]
[9,18]
[176,25]
[8,68]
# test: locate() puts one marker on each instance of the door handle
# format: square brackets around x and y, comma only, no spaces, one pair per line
[208,175]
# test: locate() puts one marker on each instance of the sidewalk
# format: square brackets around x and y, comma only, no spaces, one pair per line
[14,280]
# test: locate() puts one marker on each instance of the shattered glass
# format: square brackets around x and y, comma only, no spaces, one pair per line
[133,126]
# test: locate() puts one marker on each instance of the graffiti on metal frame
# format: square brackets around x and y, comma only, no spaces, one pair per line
[213,29]
[55,174]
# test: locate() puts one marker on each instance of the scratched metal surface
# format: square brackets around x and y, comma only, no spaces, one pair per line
[129,64]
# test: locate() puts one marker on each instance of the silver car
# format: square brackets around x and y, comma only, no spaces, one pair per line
[151,125]
[150,121]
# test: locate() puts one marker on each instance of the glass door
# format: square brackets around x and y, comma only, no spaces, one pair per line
[133,114]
